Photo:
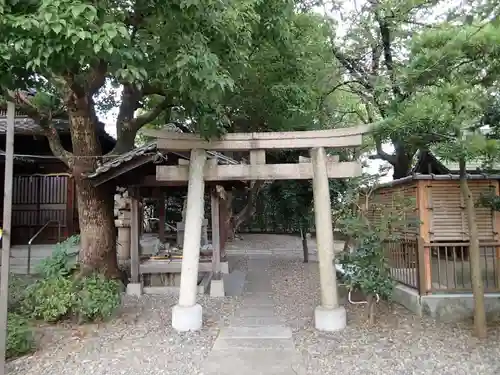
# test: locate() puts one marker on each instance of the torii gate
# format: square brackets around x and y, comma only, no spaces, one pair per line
[187,314]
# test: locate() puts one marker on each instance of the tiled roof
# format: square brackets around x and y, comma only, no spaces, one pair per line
[124,158]
[25,125]
[150,148]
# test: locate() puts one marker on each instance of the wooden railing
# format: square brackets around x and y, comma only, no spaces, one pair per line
[442,267]
[450,268]
[3,113]
[402,255]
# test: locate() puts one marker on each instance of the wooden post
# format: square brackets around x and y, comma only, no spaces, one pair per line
[424,217]
[134,287]
[215,204]
[161,218]
[329,316]
[496,223]
[6,232]
[187,314]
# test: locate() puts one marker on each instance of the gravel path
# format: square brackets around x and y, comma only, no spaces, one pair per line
[141,340]
[400,342]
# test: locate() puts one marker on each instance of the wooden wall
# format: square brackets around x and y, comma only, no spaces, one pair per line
[445,213]
[392,200]
[438,212]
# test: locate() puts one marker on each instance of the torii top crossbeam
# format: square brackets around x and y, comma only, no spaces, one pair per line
[257,143]
[330,138]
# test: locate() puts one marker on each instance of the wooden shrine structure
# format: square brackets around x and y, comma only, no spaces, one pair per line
[187,314]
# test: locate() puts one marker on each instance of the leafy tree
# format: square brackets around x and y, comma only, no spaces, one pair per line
[373,53]
[79,54]
[457,65]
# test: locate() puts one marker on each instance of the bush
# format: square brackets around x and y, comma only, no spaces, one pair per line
[17,291]
[97,298]
[61,293]
[62,261]
[50,299]
[19,336]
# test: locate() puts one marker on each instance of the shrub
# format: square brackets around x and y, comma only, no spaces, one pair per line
[97,298]
[19,336]
[50,299]
[61,262]
[17,291]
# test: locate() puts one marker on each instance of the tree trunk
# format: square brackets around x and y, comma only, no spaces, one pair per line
[475,256]
[403,162]
[97,228]
[371,308]
[305,248]
[247,212]
[95,204]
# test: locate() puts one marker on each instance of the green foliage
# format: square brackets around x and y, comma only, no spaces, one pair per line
[61,293]
[19,336]
[50,299]
[367,268]
[97,298]
[17,291]
[62,261]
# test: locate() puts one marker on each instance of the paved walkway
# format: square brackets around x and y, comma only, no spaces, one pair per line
[256,341]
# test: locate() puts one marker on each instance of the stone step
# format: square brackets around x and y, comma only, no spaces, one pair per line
[255,312]
[263,332]
[254,362]
[251,344]
[254,321]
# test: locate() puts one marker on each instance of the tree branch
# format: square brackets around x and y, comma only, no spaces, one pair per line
[44,121]
[98,77]
[149,116]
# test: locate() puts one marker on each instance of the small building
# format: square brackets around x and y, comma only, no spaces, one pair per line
[431,255]
[43,189]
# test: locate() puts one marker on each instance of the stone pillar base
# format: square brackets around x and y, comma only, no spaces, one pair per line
[134,289]
[187,318]
[330,320]
[217,288]
[224,267]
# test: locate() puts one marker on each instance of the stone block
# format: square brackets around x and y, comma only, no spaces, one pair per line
[188,318]
[134,289]
[217,288]
[330,320]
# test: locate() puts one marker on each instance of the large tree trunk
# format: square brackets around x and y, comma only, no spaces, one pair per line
[97,228]
[402,161]
[95,204]
[475,256]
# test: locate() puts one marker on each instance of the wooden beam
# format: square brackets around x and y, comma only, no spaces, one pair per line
[161,218]
[215,235]
[302,171]
[134,240]
[258,157]
[331,138]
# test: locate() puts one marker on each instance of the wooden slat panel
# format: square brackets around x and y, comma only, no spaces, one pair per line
[449,219]
[300,171]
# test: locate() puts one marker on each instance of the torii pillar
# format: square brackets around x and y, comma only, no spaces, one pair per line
[187,314]
[329,316]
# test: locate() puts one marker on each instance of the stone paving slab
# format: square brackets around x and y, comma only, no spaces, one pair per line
[254,362]
[251,321]
[234,283]
[253,343]
[256,342]
[265,332]
[256,312]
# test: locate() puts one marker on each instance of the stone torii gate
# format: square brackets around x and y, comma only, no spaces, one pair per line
[187,314]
